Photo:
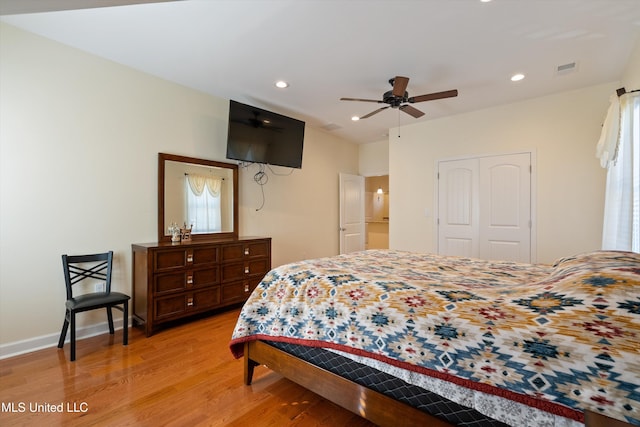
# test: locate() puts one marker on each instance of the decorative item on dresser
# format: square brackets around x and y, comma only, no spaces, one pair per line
[172,282]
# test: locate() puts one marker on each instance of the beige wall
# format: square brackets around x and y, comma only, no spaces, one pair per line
[631,76]
[562,130]
[72,122]
[374,158]
[300,211]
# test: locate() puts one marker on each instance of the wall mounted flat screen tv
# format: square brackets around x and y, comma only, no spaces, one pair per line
[260,136]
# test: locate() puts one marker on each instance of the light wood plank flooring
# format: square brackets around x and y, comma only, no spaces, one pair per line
[181,376]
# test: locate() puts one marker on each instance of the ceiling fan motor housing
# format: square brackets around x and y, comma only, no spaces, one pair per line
[395,101]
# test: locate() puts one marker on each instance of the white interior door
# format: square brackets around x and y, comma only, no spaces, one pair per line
[484,207]
[351,213]
[458,227]
[505,207]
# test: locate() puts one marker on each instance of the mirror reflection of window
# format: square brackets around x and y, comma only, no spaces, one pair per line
[203,203]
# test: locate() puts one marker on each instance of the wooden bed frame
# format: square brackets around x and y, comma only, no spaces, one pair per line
[371,405]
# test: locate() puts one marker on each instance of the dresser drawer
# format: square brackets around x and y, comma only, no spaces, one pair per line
[167,260]
[184,257]
[204,299]
[245,250]
[178,305]
[240,270]
[258,267]
[169,307]
[203,256]
[203,277]
[257,249]
[239,291]
[169,283]
[182,280]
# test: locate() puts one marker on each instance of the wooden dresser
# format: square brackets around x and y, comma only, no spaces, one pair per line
[175,281]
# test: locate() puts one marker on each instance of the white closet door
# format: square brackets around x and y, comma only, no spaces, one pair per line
[484,207]
[458,214]
[505,207]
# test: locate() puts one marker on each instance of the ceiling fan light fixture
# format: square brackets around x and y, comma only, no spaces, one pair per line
[281,84]
[517,77]
[355,118]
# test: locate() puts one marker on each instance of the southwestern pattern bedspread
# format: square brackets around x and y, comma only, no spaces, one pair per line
[561,338]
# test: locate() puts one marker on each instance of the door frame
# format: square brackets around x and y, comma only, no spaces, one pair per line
[534,194]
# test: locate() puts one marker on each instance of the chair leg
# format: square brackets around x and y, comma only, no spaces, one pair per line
[63,333]
[110,319]
[72,316]
[125,324]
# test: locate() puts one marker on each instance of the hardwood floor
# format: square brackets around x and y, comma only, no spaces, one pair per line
[182,376]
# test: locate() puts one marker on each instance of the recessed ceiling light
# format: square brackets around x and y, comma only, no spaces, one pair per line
[517,77]
[485,1]
[282,84]
[355,118]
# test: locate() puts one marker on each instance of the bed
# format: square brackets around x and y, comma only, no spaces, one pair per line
[501,343]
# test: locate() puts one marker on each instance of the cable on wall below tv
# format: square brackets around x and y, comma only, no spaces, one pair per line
[261,178]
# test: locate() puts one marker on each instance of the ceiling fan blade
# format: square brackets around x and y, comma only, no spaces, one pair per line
[411,111]
[360,99]
[373,112]
[434,96]
[400,85]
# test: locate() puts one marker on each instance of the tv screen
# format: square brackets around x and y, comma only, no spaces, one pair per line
[260,136]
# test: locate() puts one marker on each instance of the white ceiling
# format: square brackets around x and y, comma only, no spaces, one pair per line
[328,49]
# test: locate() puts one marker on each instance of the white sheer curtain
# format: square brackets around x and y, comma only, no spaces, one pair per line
[619,151]
[203,207]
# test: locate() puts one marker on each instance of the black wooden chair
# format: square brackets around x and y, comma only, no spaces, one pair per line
[96,268]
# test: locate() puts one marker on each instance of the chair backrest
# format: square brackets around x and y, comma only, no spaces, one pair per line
[81,267]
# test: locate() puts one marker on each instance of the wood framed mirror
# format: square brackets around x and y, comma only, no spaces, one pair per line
[183,185]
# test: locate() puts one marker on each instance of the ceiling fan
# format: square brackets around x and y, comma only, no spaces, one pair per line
[398,97]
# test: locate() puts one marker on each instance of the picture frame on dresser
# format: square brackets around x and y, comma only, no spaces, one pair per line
[175,280]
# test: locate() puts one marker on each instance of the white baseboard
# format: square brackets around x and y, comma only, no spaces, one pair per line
[45,341]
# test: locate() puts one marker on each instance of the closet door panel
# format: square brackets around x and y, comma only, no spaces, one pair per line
[458,208]
[505,207]
[484,207]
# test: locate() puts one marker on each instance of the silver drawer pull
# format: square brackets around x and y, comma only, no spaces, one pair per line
[246,251]
[189,280]
[246,288]
[190,302]
[246,270]
[190,258]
